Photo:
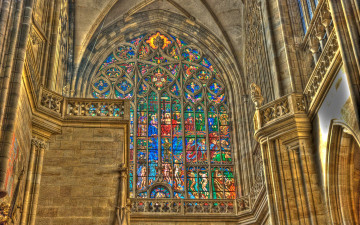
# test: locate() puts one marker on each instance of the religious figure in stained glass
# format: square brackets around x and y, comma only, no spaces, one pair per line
[180,125]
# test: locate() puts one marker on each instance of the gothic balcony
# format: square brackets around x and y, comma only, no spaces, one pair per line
[71,108]
[278,112]
[321,76]
[319,30]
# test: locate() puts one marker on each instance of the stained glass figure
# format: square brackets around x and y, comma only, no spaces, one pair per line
[160,192]
[180,129]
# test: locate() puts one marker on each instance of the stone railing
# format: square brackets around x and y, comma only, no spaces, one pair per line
[278,109]
[319,29]
[164,206]
[190,206]
[94,108]
[322,68]
[51,101]
[67,108]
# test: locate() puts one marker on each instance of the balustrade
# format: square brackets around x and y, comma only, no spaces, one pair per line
[75,107]
[278,109]
[319,30]
[322,68]
[190,206]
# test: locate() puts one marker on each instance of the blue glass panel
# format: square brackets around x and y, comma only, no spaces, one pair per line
[303,23]
[309,8]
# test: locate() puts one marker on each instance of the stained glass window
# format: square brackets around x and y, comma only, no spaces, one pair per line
[180,125]
[308,4]
[303,23]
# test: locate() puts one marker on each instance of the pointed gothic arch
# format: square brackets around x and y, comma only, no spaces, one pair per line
[180,122]
[343,174]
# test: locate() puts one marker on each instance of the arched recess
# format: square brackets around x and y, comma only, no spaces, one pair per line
[343,174]
[107,39]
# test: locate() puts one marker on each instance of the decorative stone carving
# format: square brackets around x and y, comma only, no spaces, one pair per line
[278,109]
[300,103]
[320,25]
[4,213]
[256,96]
[34,54]
[179,206]
[243,204]
[255,51]
[51,100]
[205,206]
[94,108]
[322,67]
[156,205]
[80,107]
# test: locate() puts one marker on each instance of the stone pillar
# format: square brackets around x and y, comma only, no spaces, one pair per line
[283,131]
[29,181]
[37,180]
[10,98]
[33,181]
[123,210]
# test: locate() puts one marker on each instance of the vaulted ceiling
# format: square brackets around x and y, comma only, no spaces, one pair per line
[222,18]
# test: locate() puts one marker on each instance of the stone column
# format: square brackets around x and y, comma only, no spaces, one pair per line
[33,179]
[37,179]
[123,209]
[29,181]
[283,131]
[8,108]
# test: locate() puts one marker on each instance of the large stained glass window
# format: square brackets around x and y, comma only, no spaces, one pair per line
[180,128]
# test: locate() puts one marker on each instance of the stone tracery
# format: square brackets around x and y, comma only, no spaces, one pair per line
[179,118]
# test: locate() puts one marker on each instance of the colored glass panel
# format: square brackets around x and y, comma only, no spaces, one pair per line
[109,60]
[127,67]
[203,75]
[216,87]
[160,192]
[179,124]
[191,55]
[302,18]
[189,69]
[308,4]
[125,52]
[193,98]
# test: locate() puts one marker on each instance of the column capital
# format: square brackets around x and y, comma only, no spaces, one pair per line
[38,143]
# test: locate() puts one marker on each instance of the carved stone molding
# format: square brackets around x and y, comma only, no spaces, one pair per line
[64,108]
[284,134]
[256,96]
[4,213]
[95,108]
[322,70]
[51,101]
[320,25]
[193,206]
[279,109]
[39,144]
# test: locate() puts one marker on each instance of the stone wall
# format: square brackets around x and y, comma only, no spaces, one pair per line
[20,152]
[79,183]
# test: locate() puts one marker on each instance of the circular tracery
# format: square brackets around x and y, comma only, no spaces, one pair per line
[179,119]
